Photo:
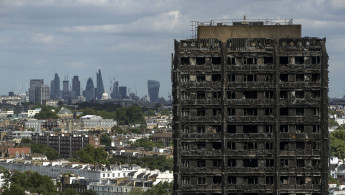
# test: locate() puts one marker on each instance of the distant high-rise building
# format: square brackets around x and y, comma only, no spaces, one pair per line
[55,87]
[75,87]
[116,94]
[65,90]
[153,89]
[89,92]
[123,91]
[38,92]
[11,93]
[100,87]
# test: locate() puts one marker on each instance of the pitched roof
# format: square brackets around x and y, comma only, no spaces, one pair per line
[23,150]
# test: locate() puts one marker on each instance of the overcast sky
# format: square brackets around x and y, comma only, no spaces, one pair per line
[132,41]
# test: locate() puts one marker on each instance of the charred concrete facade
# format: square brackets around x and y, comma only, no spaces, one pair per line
[250,113]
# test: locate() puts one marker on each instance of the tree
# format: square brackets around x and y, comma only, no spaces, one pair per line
[150,113]
[118,130]
[332,123]
[25,141]
[89,192]
[337,144]
[105,140]
[46,113]
[130,115]
[14,189]
[69,191]
[49,152]
[161,188]
[136,191]
[90,154]
[165,112]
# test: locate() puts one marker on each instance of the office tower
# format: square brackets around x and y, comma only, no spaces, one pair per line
[115,93]
[65,90]
[42,93]
[250,110]
[100,87]
[11,93]
[153,89]
[89,92]
[33,84]
[123,91]
[75,87]
[55,87]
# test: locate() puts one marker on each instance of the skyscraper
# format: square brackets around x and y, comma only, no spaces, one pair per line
[89,92]
[153,89]
[75,87]
[115,93]
[100,87]
[65,90]
[38,92]
[123,91]
[250,110]
[55,87]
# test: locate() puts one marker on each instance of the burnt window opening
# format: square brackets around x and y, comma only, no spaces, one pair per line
[249,78]
[251,180]
[250,163]
[216,145]
[185,180]
[251,61]
[268,111]
[201,145]
[315,77]
[231,78]
[216,111]
[316,163]
[283,95]
[250,94]
[300,163]
[299,77]
[200,95]
[185,129]
[231,128]
[299,111]
[315,60]
[216,128]
[284,163]
[201,129]
[232,179]
[284,180]
[185,112]
[268,78]
[184,61]
[231,95]
[185,95]
[269,146]
[201,180]
[200,78]
[201,163]
[230,61]
[268,60]
[216,77]
[216,60]
[250,129]
[284,128]
[316,128]
[284,77]
[231,111]
[269,179]
[299,94]
[300,145]
[217,94]
[315,94]
[250,146]
[217,179]
[231,162]
[185,77]
[284,111]
[299,60]
[316,145]
[284,146]
[200,112]
[185,163]
[300,180]
[250,111]
[217,162]
[200,60]
[269,163]
[299,129]
[316,180]
[268,94]
[284,60]
[185,146]
[231,146]
[269,129]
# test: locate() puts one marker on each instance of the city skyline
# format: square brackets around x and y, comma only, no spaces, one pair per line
[132,41]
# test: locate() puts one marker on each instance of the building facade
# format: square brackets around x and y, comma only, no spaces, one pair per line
[55,87]
[100,86]
[250,111]
[89,92]
[153,90]
[75,87]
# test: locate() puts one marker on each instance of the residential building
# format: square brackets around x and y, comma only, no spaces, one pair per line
[250,110]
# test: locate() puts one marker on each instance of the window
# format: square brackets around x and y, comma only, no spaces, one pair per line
[268,94]
[184,61]
[216,162]
[216,145]
[316,128]
[216,77]
[230,60]
[284,179]
[315,94]
[299,129]
[216,60]
[299,77]
[268,129]
[315,60]
[185,163]
[185,129]
[185,180]
[284,111]
[201,129]
[200,111]
[250,146]
[231,146]
[200,78]
[300,163]
[216,111]
[217,179]
[299,111]
[251,180]
[283,95]
[299,94]
[250,129]
[201,145]
[185,146]
[185,77]
[200,95]
[269,163]
[201,163]
[269,179]
[231,78]
[249,77]
[284,146]
[299,60]
[315,77]
[300,145]
[283,60]
[231,128]
[185,112]
[268,60]
[250,94]
[284,77]
[231,95]
[231,162]
[201,180]
[251,60]
[231,111]
[217,94]
[284,128]
[268,111]
[269,146]
[200,60]
[250,111]
[232,179]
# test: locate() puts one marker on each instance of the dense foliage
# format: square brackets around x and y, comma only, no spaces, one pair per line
[337,143]
[49,152]
[165,112]
[105,140]
[147,144]
[158,162]
[130,115]
[31,181]
[46,113]
[90,154]
[161,188]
